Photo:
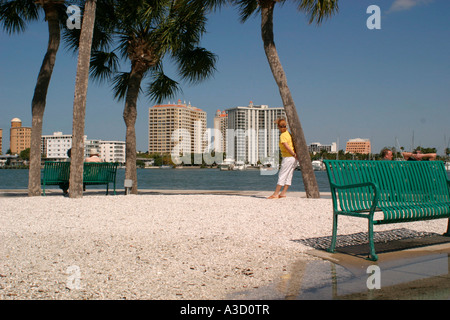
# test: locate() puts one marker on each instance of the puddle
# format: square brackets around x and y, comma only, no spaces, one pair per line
[407,275]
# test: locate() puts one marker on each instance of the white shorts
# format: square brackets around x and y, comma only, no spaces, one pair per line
[288,164]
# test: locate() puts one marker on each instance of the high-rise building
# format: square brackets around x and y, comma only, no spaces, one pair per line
[220,131]
[167,123]
[253,134]
[1,140]
[20,137]
[358,145]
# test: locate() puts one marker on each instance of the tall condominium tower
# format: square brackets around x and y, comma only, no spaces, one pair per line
[20,137]
[1,140]
[253,134]
[220,131]
[177,126]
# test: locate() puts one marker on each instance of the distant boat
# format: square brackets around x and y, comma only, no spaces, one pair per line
[266,168]
[318,165]
[165,166]
[269,166]
[227,164]
[239,165]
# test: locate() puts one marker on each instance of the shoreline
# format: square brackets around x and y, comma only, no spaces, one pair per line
[55,191]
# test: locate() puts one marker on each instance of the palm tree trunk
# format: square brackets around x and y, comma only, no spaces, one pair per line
[309,178]
[79,103]
[129,116]
[39,99]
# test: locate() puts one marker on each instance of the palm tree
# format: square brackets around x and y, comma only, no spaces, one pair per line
[317,10]
[147,33]
[79,104]
[14,15]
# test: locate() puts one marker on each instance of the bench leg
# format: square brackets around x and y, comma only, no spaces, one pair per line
[333,239]
[372,256]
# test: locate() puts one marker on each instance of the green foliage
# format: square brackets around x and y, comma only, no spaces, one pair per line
[147,34]
[25,154]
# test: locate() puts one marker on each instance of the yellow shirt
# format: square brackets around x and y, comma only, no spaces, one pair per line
[286,137]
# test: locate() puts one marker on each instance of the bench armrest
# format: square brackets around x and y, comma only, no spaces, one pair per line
[355,204]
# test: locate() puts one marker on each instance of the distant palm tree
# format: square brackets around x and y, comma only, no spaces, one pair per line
[14,15]
[147,33]
[317,10]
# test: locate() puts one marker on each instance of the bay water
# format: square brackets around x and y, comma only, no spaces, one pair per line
[185,179]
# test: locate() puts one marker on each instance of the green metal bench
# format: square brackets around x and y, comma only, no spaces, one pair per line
[94,173]
[98,173]
[55,173]
[398,191]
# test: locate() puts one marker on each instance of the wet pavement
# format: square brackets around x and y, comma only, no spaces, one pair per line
[419,272]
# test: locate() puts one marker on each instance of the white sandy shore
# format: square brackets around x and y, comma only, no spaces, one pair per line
[155,246]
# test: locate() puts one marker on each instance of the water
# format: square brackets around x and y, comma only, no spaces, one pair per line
[185,179]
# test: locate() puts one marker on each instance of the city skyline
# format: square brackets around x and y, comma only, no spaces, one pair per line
[388,85]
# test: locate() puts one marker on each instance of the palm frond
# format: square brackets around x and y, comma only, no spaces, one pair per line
[318,10]
[212,5]
[247,8]
[14,15]
[103,65]
[162,87]
[103,37]
[196,64]
[120,85]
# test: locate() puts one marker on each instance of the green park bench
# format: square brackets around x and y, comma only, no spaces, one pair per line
[397,191]
[94,173]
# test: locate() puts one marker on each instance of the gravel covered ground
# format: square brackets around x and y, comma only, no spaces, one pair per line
[160,246]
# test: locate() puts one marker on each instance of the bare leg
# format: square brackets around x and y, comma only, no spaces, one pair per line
[283,193]
[275,193]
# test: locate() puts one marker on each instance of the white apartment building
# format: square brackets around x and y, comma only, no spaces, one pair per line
[112,151]
[316,147]
[54,147]
[91,144]
[252,133]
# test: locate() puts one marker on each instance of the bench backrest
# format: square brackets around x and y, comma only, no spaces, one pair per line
[99,172]
[56,171]
[398,182]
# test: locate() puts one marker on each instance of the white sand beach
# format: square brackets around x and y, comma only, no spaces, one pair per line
[160,246]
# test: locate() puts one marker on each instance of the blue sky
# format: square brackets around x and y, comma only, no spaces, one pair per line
[347,81]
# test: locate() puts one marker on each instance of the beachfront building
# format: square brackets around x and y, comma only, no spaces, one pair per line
[55,146]
[20,137]
[253,134]
[91,144]
[1,140]
[358,145]
[220,128]
[177,127]
[317,147]
[112,151]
